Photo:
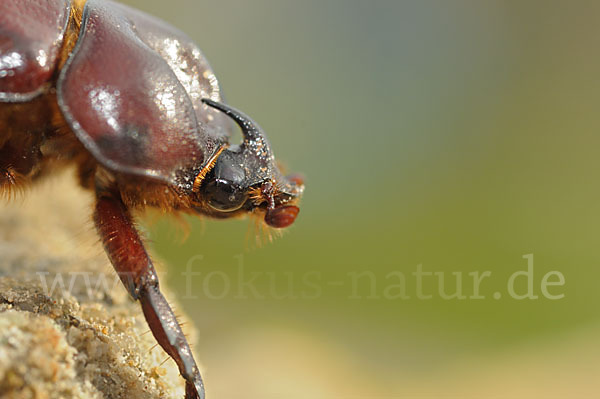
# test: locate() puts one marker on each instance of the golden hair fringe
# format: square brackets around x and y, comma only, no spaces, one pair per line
[211,163]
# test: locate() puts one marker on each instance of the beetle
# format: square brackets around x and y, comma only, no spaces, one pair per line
[133,103]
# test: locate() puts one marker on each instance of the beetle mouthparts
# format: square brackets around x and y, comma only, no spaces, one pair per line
[282,216]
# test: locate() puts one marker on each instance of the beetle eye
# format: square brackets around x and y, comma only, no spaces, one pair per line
[224,196]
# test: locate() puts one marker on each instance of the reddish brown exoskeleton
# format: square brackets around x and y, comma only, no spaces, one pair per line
[134,105]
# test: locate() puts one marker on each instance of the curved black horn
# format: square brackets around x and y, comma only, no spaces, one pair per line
[249,128]
[256,152]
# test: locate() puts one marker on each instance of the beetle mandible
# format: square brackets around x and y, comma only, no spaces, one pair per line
[134,105]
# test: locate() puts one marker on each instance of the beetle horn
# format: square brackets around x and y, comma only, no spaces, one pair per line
[250,129]
[257,153]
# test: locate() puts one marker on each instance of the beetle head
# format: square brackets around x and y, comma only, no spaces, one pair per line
[245,177]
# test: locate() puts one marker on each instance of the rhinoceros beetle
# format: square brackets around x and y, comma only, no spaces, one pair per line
[133,104]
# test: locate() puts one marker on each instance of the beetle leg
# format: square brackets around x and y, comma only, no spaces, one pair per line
[126,251]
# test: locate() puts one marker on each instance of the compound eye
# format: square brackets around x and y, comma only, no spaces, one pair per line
[224,196]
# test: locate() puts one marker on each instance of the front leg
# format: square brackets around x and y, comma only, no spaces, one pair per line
[133,265]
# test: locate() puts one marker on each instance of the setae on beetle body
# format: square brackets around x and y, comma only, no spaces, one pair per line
[134,105]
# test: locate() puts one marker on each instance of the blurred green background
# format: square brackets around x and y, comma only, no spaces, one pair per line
[456,135]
